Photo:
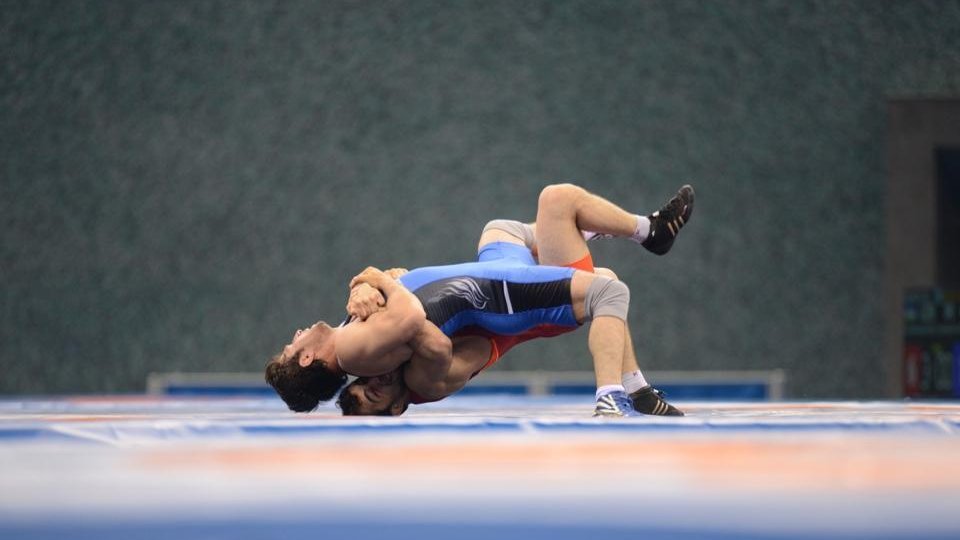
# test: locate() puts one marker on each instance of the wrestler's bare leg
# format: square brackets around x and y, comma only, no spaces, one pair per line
[565,244]
[645,398]
[608,335]
[629,364]
[607,339]
[563,210]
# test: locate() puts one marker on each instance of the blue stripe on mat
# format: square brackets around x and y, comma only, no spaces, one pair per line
[185,430]
[247,530]
[32,433]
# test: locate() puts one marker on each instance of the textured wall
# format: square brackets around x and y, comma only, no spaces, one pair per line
[183,183]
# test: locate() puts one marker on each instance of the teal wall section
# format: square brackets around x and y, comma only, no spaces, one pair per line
[184,183]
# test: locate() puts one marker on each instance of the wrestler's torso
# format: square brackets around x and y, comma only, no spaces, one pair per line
[491,305]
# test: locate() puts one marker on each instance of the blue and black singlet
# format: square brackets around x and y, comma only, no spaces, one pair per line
[504,293]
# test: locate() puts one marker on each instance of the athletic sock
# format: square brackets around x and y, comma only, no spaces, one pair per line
[639,235]
[609,389]
[633,381]
[643,229]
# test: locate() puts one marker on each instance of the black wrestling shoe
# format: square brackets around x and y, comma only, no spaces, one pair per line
[649,400]
[665,223]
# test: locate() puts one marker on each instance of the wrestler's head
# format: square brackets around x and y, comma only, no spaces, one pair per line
[385,395]
[306,371]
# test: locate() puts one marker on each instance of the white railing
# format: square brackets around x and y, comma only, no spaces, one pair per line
[537,383]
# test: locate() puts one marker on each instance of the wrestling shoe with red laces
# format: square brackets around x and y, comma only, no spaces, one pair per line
[649,400]
[615,404]
[665,224]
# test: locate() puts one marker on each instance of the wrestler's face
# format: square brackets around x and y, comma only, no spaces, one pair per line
[312,344]
[381,395]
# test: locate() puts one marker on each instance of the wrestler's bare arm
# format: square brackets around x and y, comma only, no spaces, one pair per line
[395,273]
[432,348]
[436,367]
[433,381]
[429,341]
[378,344]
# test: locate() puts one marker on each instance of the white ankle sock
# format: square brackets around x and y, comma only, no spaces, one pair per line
[609,389]
[643,229]
[633,381]
[639,235]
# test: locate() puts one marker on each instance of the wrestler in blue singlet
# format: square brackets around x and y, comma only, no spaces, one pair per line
[505,292]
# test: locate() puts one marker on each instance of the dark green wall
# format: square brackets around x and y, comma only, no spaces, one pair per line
[183,183]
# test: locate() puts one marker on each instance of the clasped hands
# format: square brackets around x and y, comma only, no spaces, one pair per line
[366,298]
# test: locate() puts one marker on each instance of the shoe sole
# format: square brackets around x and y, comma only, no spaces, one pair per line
[687,192]
[691,195]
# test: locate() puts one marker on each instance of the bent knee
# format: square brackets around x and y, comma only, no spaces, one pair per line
[607,297]
[605,272]
[508,230]
[555,194]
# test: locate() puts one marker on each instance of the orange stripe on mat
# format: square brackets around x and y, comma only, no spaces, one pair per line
[814,464]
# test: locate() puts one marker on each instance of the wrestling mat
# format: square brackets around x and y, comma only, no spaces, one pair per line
[477,467]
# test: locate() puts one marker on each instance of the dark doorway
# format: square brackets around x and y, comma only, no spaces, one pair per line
[948,217]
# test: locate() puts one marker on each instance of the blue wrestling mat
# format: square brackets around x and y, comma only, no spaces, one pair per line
[476,467]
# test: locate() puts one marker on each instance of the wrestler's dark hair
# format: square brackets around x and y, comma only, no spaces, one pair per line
[302,388]
[349,404]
